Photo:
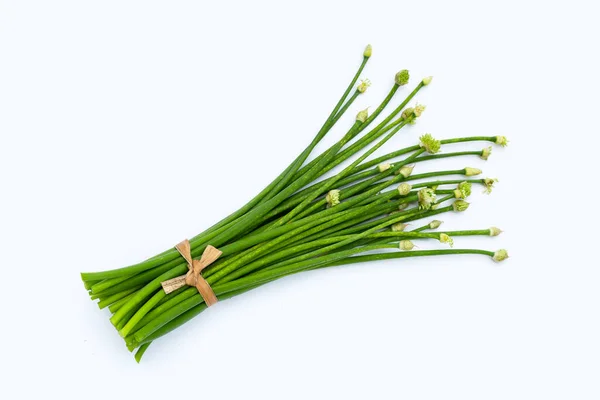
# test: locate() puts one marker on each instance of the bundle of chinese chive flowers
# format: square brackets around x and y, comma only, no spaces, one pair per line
[302,222]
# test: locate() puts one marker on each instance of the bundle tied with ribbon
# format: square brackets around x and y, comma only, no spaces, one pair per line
[193,277]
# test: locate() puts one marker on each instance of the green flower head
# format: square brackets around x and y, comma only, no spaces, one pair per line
[429,143]
[426,198]
[463,190]
[402,77]
[408,114]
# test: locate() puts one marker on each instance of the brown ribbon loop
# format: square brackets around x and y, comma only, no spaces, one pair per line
[193,277]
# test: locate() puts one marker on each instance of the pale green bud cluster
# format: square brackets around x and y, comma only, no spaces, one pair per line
[429,143]
[427,80]
[463,190]
[404,189]
[485,153]
[500,255]
[399,227]
[402,77]
[502,141]
[362,115]
[495,231]
[384,167]
[435,224]
[363,85]
[406,245]
[426,197]
[333,198]
[405,171]
[368,51]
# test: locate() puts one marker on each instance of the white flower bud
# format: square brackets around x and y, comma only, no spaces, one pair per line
[406,170]
[472,171]
[404,189]
[362,115]
[495,231]
[399,227]
[446,239]
[384,167]
[427,80]
[363,85]
[435,224]
[406,245]
[500,255]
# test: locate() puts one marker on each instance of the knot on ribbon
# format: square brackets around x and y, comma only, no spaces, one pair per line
[193,276]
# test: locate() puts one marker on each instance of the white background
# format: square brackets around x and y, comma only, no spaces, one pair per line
[127,126]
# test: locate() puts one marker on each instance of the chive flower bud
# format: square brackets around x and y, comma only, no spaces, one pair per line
[333,198]
[435,224]
[485,153]
[502,141]
[406,170]
[446,239]
[495,231]
[460,205]
[384,167]
[408,113]
[399,227]
[363,85]
[472,171]
[463,190]
[402,77]
[419,108]
[426,198]
[368,51]
[402,206]
[429,143]
[489,184]
[362,115]
[500,255]
[426,81]
[404,189]
[406,245]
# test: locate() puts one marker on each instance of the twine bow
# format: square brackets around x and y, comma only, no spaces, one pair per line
[193,277]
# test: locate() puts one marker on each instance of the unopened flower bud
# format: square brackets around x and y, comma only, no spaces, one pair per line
[406,245]
[460,205]
[402,206]
[362,115]
[384,167]
[472,171]
[446,239]
[435,224]
[463,190]
[333,198]
[427,80]
[495,231]
[485,153]
[406,170]
[489,184]
[502,141]
[404,189]
[399,227]
[408,113]
[363,85]
[429,143]
[368,51]
[426,197]
[500,255]
[402,77]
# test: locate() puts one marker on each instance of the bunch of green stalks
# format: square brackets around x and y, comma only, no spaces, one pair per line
[302,222]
